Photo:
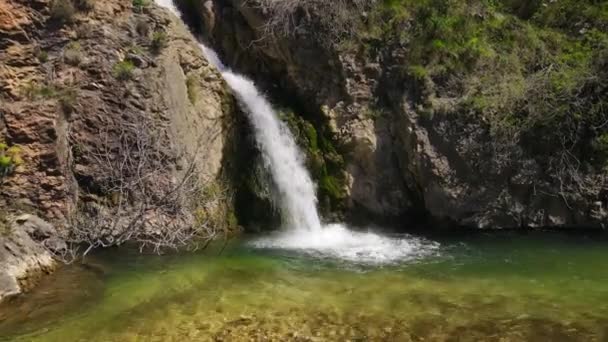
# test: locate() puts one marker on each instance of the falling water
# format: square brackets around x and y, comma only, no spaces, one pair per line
[296,191]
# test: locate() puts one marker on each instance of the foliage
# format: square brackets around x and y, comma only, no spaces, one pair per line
[10,159]
[123,70]
[43,56]
[72,54]
[139,5]
[135,49]
[34,91]
[418,72]
[324,162]
[68,98]
[159,41]
[62,11]
[534,71]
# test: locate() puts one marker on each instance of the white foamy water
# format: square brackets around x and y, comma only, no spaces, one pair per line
[338,242]
[302,228]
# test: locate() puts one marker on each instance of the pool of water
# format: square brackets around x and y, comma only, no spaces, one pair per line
[482,287]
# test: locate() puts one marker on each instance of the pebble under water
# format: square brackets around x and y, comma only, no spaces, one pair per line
[484,287]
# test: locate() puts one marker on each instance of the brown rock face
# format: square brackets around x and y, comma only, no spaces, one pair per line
[398,159]
[77,97]
[341,88]
[14,17]
[23,260]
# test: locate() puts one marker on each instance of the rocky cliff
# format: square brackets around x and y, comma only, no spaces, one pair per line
[473,113]
[114,128]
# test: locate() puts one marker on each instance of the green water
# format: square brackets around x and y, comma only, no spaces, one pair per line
[495,287]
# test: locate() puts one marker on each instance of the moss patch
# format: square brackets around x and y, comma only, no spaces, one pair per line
[325,164]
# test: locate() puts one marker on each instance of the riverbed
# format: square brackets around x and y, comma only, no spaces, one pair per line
[471,287]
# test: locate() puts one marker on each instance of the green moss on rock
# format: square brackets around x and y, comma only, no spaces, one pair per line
[324,162]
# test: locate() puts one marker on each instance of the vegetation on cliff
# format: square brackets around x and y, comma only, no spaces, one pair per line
[10,159]
[489,106]
[534,71]
[325,164]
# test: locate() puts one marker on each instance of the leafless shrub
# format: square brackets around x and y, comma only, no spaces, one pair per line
[574,180]
[152,193]
[575,183]
[328,21]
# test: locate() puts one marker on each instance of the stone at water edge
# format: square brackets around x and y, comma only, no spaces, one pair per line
[22,260]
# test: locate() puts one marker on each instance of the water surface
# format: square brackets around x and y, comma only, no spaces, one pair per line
[495,287]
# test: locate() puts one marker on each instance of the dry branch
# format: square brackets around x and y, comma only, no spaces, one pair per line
[327,21]
[151,192]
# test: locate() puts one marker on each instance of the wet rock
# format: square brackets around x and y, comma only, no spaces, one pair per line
[22,259]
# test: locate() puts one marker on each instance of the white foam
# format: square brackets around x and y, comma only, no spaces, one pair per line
[338,242]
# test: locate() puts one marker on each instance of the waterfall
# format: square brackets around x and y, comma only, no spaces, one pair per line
[296,191]
[282,157]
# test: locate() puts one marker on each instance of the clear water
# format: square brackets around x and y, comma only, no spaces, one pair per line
[498,287]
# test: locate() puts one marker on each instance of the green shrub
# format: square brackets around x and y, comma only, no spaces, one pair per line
[72,55]
[43,56]
[311,136]
[325,164]
[67,100]
[10,159]
[159,40]
[85,30]
[418,72]
[123,70]
[600,146]
[139,5]
[62,11]
[33,91]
